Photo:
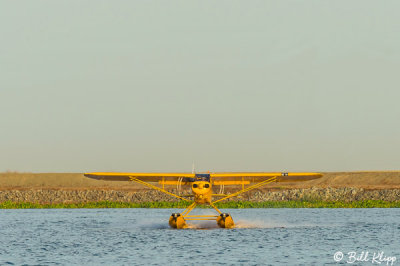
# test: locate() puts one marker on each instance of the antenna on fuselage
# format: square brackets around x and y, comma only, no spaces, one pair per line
[193,171]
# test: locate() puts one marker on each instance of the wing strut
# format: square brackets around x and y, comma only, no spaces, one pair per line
[132,178]
[270,180]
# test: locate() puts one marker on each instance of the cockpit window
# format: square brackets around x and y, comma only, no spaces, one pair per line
[203,177]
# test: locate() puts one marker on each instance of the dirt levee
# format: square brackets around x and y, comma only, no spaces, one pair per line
[367,180]
[58,181]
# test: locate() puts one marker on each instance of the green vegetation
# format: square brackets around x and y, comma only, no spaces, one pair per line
[222,205]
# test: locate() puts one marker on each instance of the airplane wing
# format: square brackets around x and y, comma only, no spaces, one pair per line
[216,178]
[147,177]
[247,178]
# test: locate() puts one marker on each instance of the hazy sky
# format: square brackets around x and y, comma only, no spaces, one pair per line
[233,85]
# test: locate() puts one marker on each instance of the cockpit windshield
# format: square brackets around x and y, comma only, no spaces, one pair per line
[203,177]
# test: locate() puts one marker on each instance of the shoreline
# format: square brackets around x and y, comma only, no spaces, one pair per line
[77,196]
[183,205]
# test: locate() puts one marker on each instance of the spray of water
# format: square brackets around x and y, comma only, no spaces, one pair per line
[239,224]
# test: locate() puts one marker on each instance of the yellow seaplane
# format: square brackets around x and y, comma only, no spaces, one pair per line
[202,189]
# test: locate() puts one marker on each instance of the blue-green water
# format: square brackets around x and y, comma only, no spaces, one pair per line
[142,237]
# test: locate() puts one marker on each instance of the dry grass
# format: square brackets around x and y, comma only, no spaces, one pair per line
[21,181]
[366,180]
[58,181]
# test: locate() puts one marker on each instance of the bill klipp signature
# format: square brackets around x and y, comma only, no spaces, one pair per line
[379,258]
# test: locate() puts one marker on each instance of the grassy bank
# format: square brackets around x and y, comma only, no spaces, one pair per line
[224,205]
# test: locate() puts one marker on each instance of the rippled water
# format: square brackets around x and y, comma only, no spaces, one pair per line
[141,236]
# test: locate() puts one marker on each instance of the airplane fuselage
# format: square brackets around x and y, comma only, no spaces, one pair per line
[202,189]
